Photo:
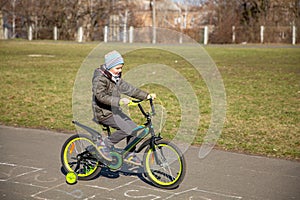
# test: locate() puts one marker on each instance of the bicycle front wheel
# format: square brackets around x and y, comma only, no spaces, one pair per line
[164,165]
[78,155]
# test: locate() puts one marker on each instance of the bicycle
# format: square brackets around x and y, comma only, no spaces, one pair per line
[163,163]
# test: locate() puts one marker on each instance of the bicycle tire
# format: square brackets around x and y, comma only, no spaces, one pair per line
[77,144]
[170,173]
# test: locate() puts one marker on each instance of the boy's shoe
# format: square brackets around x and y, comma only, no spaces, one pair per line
[133,159]
[104,151]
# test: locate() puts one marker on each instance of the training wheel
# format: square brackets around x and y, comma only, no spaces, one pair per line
[71,178]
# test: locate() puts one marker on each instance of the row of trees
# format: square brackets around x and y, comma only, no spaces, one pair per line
[278,16]
[68,15]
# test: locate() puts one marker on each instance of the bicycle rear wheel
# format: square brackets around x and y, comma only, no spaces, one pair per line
[78,155]
[165,167]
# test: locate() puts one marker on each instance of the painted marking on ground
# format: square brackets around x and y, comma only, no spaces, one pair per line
[47,187]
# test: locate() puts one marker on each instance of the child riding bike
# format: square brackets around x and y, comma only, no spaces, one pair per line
[107,89]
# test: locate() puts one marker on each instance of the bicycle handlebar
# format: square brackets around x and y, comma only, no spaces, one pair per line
[135,102]
[152,106]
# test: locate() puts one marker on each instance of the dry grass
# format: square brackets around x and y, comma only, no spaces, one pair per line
[262,87]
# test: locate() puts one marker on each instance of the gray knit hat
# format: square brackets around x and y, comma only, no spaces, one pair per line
[113,59]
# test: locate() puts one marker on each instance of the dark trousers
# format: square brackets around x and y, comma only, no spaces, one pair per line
[123,125]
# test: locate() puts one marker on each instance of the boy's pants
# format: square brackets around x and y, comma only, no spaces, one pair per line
[123,125]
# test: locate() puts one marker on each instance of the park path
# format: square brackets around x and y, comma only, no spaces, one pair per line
[30,169]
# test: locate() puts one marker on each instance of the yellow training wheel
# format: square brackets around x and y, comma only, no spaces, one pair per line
[71,178]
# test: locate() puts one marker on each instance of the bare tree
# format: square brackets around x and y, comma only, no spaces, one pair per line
[249,15]
[68,15]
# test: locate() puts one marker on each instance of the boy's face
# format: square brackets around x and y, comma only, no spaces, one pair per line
[116,70]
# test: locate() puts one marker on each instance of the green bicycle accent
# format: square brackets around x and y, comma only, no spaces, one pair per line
[163,163]
[117,161]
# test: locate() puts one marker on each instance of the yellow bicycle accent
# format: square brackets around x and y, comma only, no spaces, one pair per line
[71,178]
[70,147]
[165,177]
[163,162]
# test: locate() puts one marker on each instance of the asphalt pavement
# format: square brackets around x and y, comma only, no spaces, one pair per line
[30,168]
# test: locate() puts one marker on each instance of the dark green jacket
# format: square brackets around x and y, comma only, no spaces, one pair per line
[107,93]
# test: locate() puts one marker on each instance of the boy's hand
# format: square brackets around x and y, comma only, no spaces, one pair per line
[151,96]
[124,101]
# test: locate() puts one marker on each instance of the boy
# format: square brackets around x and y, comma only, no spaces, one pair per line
[107,89]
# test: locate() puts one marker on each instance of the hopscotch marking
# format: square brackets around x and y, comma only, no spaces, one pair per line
[9,174]
[152,196]
[188,191]
[130,189]
[43,191]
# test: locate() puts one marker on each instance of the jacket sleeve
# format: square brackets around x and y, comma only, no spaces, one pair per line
[102,92]
[130,90]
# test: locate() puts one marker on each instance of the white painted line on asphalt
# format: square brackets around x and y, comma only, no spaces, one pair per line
[8,164]
[9,174]
[26,173]
[98,187]
[15,165]
[78,194]
[191,198]
[43,191]
[91,197]
[182,192]
[219,194]
[156,189]
[128,194]
[133,193]
[26,184]
[126,184]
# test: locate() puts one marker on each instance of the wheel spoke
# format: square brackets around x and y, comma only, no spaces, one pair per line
[168,168]
[77,158]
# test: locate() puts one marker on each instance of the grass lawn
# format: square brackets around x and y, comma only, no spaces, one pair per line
[262,88]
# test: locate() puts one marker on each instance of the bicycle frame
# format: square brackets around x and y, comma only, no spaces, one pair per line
[86,161]
[146,129]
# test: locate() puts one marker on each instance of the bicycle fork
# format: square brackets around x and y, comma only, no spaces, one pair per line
[155,149]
